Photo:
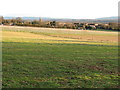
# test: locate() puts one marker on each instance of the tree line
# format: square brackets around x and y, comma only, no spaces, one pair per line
[54,24]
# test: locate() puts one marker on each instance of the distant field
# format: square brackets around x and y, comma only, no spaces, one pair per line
[59,58]
[61,35]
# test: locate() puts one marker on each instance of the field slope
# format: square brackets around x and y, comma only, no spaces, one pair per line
[59,58]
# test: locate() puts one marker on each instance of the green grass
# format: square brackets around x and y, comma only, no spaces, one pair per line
[58,65]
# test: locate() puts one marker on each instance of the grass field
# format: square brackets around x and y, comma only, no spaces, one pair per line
[55,58]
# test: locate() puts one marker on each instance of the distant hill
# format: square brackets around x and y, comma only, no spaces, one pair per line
[98,20]
[108,18]
[29,18]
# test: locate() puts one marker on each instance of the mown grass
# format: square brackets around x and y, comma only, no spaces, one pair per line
[39,64]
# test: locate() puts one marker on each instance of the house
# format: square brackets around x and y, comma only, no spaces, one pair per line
[93,26]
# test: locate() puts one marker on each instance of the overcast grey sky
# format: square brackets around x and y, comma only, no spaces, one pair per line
[78,9]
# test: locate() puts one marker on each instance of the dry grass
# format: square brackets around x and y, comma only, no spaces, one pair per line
[50,35]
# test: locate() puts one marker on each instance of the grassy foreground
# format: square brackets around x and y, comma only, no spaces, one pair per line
[42,60]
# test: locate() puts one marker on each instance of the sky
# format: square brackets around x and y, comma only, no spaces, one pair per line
[76,9]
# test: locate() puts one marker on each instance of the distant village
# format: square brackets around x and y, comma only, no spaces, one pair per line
[55,24]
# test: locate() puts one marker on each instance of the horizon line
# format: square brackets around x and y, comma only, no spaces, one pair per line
[58,17]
